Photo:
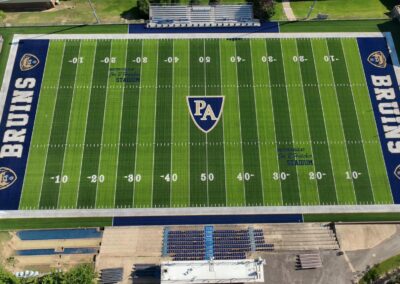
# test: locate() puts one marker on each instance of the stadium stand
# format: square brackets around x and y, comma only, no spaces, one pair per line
[176,16]
[308,261]
[111,275]
[184,245]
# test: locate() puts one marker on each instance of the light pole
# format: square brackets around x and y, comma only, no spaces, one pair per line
[311,9]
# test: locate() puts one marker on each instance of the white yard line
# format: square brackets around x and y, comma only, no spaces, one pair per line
[240,125]
[323,115]
[205,94]
[120,126]
[290,121]
[102,131]
[223,125]
[155,124]
[376,126]
[199,211]
[341,122]
[358,123]
[257,123]
[87,116]
[273,122]
[137,128]
[172,126]
[198,35]
[37,107]
[51,127]
[308,123]
[69,122]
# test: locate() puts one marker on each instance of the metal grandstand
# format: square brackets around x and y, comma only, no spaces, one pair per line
[178,16]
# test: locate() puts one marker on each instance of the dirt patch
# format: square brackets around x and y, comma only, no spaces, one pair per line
[357,237]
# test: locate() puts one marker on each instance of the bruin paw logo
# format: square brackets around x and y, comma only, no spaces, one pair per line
[205,111]
[378,59]
[397,172]
[7,177]
[28,62]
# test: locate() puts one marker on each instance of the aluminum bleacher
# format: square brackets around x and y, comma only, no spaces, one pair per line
[177,16]
[183,245]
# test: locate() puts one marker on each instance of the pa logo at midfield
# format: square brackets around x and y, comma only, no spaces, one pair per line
[378,59]
[205,111]
[7,177]
[28,62]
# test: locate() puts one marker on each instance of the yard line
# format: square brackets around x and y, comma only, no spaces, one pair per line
[290,120]
[120,126]
[223,126]
[257,123]
[29,161]
[376,127]
[154,126]
[205,94]
[341,122]
[240,126]
[323,115]
[137,129]
[102,132]
[69,121]
[51,127]
[85,126]
[308,125]
[358,123]
[172,124]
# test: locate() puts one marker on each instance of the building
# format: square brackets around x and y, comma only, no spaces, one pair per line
[26,5]
[213,271]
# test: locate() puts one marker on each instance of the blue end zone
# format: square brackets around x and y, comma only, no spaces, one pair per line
[18,117]
[266,27]
[385,97]
[207,219]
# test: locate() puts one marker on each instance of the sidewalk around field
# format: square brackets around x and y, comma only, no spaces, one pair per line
[288,10]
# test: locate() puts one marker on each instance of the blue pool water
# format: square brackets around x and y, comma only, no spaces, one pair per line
[30,252]
[59,234]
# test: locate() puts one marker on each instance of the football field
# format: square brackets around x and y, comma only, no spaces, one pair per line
[120,123]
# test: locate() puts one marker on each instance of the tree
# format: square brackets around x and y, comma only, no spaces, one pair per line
[264,9]
[143,6]
[82,274]
[7,278]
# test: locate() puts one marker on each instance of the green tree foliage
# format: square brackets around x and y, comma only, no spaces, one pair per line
[7,278]
[264,9]
[81,274]
[143,7]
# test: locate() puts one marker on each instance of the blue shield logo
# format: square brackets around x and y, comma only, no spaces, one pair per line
[397,172]
[377,59]
[28,62]
[7,177]
[205,111]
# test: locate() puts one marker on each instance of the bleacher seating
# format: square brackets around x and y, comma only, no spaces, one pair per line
[111,275]
[169,16]
[208,243]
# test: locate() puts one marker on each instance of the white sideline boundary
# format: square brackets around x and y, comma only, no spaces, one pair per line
[18,37]
[189,211]
[199,211]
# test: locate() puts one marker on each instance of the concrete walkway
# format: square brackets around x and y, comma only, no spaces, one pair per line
[288,10]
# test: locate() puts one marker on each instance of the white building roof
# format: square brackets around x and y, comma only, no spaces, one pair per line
[215,271]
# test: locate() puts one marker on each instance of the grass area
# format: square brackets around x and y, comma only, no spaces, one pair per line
[356,217]
[344,9]
[381,270]
[53,223]
[279,13]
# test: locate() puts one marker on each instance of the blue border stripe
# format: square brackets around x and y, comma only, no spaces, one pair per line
[266,27]
[367,47]
[207,219]
[31,81]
